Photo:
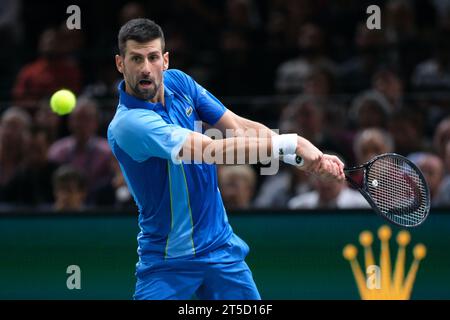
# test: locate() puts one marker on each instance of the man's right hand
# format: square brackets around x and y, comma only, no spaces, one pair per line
[326,166]
[310,154]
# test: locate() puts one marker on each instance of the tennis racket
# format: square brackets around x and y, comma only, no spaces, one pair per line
[395,189]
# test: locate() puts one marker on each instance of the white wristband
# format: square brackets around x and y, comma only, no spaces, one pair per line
[294,160]
[283,144]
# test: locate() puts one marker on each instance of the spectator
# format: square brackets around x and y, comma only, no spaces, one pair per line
[434,73]
[355,73]
[443,196]
[104,87]
[237,41]
[14,138]
[72,43]
[370,109]
[52,70]
[401,34]
[48,121]
[32,185]
[237,186]
[11,37]
[181,53]
[292,74]
[114,192]
[372,142]
[400,18]
[369,143]
[305,115]
[104,90]
[441,137]
[69,189]
[442,10]
[236,56]
[328,194]
[284,20]
[388,83]
[277,190]
[241,15]
[208,15]
[406,127]
[447,158]
[320,84]
[246,43]
[129,11]
[432,168]
[83,149]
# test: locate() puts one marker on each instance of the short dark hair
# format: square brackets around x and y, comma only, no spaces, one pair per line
[66,174]
[140,30]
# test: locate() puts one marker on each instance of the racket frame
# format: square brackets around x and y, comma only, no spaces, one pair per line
[364,189]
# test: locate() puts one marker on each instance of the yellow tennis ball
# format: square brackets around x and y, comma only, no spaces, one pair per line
[63,102]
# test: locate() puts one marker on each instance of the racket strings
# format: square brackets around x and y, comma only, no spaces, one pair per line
[398,190]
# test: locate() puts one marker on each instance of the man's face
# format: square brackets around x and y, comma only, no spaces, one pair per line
[68,196]
[433,170]
[142,68]
[371,147]
[12,133]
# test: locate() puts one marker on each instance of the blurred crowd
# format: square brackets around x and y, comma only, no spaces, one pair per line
[304,66]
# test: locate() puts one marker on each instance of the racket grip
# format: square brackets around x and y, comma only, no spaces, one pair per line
[294,160]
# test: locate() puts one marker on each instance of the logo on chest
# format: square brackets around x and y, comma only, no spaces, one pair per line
[189,111]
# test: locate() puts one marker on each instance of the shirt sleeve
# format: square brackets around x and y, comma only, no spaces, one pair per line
[143,134]
[208,107]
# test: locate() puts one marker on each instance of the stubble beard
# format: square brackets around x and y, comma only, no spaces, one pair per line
[145,94]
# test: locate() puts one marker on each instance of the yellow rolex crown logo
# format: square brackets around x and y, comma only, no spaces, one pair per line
[380,282]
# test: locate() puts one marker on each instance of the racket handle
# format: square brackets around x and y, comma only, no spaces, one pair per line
[294,160]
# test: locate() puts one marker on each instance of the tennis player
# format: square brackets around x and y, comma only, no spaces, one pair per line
[186,246]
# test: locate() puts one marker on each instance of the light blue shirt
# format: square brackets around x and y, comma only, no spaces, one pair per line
[181,213]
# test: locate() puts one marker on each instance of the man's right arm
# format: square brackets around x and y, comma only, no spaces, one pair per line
[143,134]
[201,148]
[250,150]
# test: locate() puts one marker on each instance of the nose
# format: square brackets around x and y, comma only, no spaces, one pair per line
[146,68]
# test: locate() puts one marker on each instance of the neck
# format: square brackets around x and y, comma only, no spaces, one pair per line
[159,97]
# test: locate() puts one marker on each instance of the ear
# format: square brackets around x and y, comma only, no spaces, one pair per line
[166,61]
[119,63]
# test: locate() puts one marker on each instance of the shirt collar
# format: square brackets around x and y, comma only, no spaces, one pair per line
[132,102]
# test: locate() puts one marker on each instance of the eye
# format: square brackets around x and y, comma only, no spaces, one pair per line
[154,57]
[136,58]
